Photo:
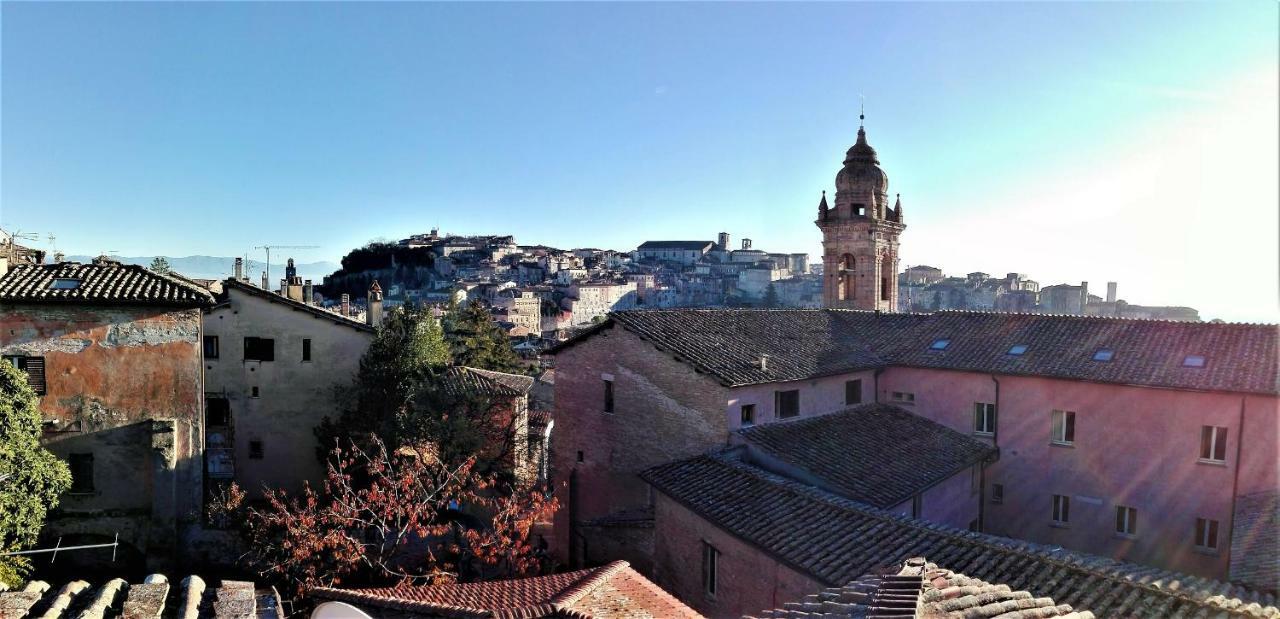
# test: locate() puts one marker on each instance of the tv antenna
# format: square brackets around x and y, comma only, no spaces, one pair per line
[268,248]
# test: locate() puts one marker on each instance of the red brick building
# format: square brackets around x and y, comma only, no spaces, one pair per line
[114,352]
[1131,439]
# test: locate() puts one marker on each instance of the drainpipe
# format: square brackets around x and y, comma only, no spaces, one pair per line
[875,385]
[995,435]
[1235,485]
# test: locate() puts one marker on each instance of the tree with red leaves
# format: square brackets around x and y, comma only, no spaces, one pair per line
[389,517]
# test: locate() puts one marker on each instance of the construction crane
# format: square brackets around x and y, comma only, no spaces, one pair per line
[268,248]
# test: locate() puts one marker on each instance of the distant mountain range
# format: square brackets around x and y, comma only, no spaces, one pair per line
[222,267]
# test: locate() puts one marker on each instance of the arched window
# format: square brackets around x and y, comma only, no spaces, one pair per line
[846,275]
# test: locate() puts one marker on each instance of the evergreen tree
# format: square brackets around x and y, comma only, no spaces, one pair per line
[408,347]
[771,297]
[31,478]
[160,265]
[476,341]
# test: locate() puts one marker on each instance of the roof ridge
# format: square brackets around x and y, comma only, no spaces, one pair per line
[1021,548]
[597,577]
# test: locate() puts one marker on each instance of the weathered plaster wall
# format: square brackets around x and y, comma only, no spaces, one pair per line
[818,396]
[749,580]
[662,412]
[125,385]
[293,395]
[1134,446]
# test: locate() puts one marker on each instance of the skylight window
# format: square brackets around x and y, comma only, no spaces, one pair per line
[64,283]
[1193,361]
[939,344]
[1018,349]
[1104,354]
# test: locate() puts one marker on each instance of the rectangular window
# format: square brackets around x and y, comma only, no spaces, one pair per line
[997,493]
[81,472]
[210,347]
[1064,427]
[582,457]
[1213,444]
[710,565]
[904,397]
[255,450]
[253,391]
[1126,520]
[1018,350]
[259,349]
[1206,534]
[1061,509]
[984,418]
[217,412]
[306,349]
[748,414]
[853,392]
[608,396]
[787,403]
[34,369]
[884,289]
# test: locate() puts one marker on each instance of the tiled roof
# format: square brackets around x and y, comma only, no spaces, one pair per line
[921,589]
[1255,541]
[150,599]
[614,590]
[675,245]
[487,382]
[319,312]
[836,540]
[539,418]
[102,282]
[728,344]
[877,453]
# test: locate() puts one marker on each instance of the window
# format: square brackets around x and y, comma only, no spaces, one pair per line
[255,450]
[1018,350]
[904,397]
[997,493]
[81,472]
[64,283]
[984,418]
[1193,361]
[608,396]
[1213,444]
[1206,534]
[1104,354]
[710,565]
[217,412]
[582,457]
[1061,509]
[787,403]
[34,368]
[748,414]
[1126,520]
[306,349]
[253,391]
[259,349]
[853,391]
[859,210]
[940,344]
[884,289]
[210,347]
[1064,427]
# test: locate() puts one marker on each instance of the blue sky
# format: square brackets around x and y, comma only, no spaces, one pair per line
[1134,142]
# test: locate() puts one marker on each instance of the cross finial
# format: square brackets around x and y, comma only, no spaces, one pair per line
[862,110]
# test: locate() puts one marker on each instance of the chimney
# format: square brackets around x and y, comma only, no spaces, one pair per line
[346,304]
[239,269]
[1084,296]
[764,362]
[308,292]
[264,281]
[4,265]
[1111,292]
[374,315]
[746,243]
[58,257]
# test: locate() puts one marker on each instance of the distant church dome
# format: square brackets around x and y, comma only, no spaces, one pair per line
[861,174]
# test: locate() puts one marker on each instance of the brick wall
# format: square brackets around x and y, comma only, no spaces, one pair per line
[663,411]
[748,580]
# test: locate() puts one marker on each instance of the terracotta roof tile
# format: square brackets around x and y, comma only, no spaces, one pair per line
[728,344]
[836,540]
[877,453]
[153,598]
[611,591]
[103,282]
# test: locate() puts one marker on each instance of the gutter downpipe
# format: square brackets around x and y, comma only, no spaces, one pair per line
[875,385]
[1235,485]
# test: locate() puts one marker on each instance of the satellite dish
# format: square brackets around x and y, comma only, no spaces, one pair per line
[338,610]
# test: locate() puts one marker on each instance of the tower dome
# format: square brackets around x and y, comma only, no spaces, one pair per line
[861,176]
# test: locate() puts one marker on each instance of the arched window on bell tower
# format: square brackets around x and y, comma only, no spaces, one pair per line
[845,284]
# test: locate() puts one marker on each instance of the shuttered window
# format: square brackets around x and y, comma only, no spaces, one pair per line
[34,369]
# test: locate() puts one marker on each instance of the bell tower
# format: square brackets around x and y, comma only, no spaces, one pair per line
[860,234]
